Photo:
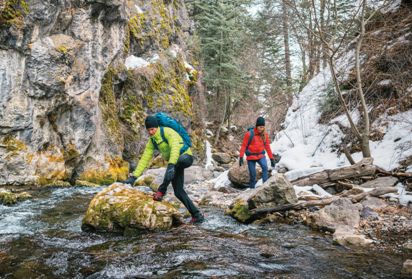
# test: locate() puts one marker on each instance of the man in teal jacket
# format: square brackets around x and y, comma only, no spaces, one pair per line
[170,151]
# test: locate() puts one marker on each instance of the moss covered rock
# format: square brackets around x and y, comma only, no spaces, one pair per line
[119,208]
[10,198]
[274,192]
[239,210]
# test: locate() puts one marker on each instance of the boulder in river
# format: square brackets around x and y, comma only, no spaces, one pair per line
[276,191]
[120,207]
[10,198]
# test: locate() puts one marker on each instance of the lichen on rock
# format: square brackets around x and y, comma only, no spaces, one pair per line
[120,207]
[10,198]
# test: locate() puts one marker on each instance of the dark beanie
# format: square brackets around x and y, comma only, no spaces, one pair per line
[260,121]
[151,122]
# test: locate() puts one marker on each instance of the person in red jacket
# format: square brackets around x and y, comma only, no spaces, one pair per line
[255,151]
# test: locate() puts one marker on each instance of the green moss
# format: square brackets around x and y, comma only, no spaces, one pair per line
[13,144]
[85,183]
[240,211]
[62,49]
[136,27]
[154,25]
[118,208]
[70,153]
[9,198]
[132,111]
[117,170]
[108,106]
[13,13]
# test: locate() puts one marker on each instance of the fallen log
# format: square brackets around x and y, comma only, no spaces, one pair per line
[362,168]
[261,212]
[374,193]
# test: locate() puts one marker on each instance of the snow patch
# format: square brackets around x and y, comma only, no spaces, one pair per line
[138,9]
[392,8]
[133,62]
[209,164]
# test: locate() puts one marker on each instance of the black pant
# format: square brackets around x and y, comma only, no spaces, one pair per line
[184,161]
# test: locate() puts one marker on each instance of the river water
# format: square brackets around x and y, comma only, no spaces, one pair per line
[41,238]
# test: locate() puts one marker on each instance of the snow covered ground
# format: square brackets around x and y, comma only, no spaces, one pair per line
[307,146]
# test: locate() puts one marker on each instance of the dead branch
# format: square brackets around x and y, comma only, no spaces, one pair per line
[261,212]
[374,193]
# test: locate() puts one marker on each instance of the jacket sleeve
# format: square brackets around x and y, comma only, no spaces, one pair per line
[175,143]
[267,146]
[244,143]
[145,159]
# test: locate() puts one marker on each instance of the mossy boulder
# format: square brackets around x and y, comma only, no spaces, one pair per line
[239,210]
[275,192]
[120,208]
[10,198]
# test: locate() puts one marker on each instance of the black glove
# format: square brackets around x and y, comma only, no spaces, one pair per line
[170,172]
[272,162]
[240,161]
[130,180]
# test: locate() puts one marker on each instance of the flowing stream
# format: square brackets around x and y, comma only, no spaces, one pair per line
[41,238]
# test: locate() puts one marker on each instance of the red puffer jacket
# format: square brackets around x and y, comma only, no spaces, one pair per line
[256,146]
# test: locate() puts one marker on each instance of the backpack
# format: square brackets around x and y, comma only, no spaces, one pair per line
[165,120]
[251,130]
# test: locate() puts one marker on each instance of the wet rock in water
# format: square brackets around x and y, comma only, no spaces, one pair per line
[10,198]
[387,181]
[276,191]
[345,236]
[407,269]
[239,176]
[120,207]
[340,213]
[221,158]
[86,183]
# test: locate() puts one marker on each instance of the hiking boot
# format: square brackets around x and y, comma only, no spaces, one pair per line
[158,196]
[197,220]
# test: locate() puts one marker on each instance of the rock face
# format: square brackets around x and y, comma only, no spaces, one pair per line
[239,176]
[274,192]
[73,99]
[120,207]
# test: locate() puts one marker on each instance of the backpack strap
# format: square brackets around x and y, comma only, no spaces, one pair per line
[162,134]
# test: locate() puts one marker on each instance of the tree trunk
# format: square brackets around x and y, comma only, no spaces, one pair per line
[366,130]
[221,123]
[285,28]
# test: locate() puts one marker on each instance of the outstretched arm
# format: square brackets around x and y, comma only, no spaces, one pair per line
[145,159]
